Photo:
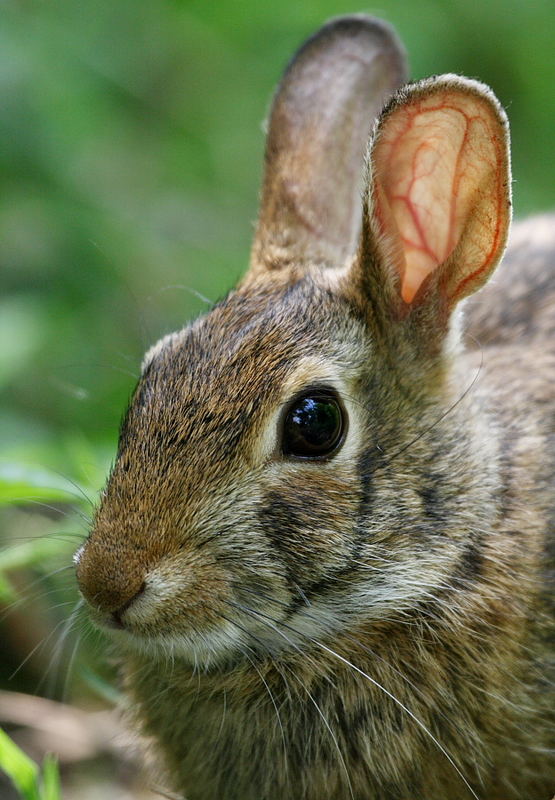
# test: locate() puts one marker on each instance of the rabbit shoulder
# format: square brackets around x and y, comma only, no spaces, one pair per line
[517,307]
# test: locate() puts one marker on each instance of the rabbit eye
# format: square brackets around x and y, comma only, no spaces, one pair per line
[313,426]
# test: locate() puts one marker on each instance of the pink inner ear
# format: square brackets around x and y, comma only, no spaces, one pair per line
[439,169]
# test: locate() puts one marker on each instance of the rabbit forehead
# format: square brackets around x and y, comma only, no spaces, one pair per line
[300,311]
[245,332]
[207,384]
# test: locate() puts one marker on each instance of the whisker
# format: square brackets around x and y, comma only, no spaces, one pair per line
[441,417]
[331,733]
[101,365]
[224,712]
[189,289]
[370,651]
[32,500]
[276,709]
[27,598]
[272,623]
[58,535]
[80,490]
[249,612]
[165,793]
[55,658]
[40,644]
[406,710]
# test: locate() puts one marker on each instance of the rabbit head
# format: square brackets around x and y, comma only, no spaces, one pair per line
[307,453]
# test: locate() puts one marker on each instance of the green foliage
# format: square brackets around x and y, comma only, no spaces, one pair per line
[51,788]
[19,484]
[26,775]
[23,772]
[22,485]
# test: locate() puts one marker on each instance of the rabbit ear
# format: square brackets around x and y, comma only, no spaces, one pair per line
[439,199]
[320,120]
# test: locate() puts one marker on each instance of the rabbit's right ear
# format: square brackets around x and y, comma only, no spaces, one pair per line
[438,206]
[321,117]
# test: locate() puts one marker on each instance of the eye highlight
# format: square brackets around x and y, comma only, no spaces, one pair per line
[314,425]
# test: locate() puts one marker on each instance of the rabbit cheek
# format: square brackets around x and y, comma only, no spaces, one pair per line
[303,517]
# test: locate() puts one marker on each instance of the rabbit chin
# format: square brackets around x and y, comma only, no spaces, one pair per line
[199,649]
[227,643]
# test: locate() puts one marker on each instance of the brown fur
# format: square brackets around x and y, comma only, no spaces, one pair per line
[373,626]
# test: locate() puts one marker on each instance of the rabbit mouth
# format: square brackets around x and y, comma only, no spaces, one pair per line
[164,620]
[223,633]
[158,639]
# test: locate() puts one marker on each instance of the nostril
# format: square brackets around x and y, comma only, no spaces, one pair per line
[116,615]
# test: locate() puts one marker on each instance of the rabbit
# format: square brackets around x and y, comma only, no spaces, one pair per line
[322,552]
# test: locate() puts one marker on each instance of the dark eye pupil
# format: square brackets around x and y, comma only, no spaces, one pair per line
[313,426]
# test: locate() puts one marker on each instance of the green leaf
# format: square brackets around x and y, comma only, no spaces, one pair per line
[31,552]
[20,483]
[7,593]
[100,686]
[19,767]
[51,789]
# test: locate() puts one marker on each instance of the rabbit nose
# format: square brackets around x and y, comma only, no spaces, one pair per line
[110,582]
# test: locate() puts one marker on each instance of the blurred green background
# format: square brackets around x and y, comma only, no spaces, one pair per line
[130,156]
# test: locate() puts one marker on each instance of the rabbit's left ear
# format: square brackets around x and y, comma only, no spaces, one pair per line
[438,204]
[320,121]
